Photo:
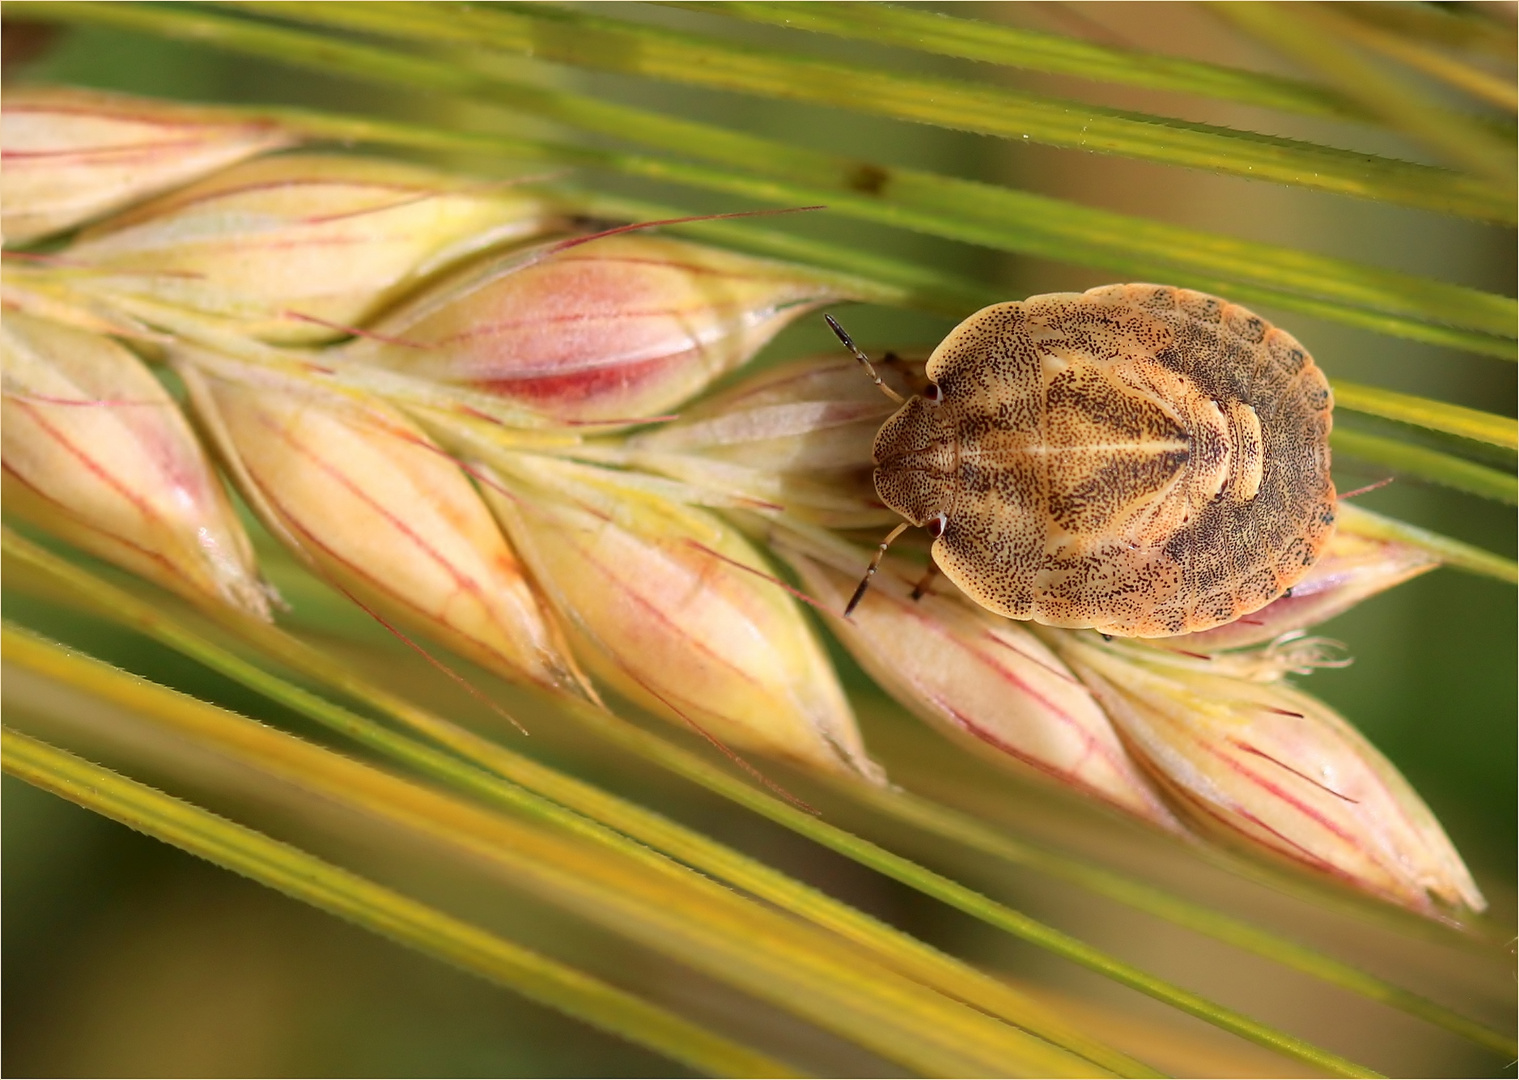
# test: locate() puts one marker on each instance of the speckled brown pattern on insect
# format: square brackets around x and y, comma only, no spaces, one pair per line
[1139,459]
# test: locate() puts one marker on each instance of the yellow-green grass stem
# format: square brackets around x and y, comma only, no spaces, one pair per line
[1316,37]
[1033,50]
[1427,413]
[545,793]
[985,214]
[810,973]
[1417,53]
[695,768]
[953,825]
[1423,463]
[576,37]
[965,899]
[384,911]
[1450,29]
[974,212]
[702,853]
[1453,553]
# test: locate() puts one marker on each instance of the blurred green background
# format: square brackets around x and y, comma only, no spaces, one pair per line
[126,957]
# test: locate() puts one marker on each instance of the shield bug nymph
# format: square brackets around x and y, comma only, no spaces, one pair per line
[1138,459]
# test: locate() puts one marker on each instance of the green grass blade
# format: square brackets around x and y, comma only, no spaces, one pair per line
[990,215]
[715,779]
[1416,53]
[1451,27]
[825,981]
[719,781]
[544,793]
[1409,459]
[957,209]
[1424,412]
[574,37]
[961,828]
[881,279]
[376,908]
[1031,50]
[1452,552]
[1315,37]
[1026,223]
[701,853]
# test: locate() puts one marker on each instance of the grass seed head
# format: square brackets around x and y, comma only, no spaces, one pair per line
[661,602]
[71,156]
[95,451]
[797,436]
[983,678]
[668,603]
[358,491]
[296,247]
[1277,772]
[617,328]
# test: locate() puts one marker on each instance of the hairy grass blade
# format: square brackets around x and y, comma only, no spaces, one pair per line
[1409,459]
[1031,50]
[813,974]
[1451,552]
[714,778]
[545,793]
[1316,37]
[1427,413]
[958,209]
[374,907]
[577,38]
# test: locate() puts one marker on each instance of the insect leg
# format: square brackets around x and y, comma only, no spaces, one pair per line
[858,355]
[921,588]
[870,571]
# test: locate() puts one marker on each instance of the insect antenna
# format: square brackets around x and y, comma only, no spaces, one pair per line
[858,355]
[875,563]
[1382,483]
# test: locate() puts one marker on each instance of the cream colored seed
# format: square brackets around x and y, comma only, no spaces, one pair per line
[1138,459]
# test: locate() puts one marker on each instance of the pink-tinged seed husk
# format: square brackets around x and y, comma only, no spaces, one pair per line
[1352,568]
[40,292]
[797,437]
[1275,771]
[69,156]
[96,452]
[377,510]
[618,328]
[984,679]
[297,247]
[663,615]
